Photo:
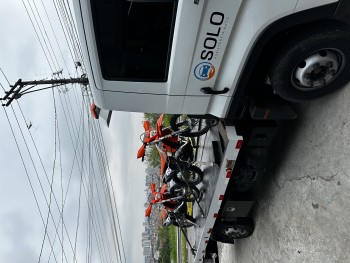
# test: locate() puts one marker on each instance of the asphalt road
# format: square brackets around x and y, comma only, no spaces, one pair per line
[303,208]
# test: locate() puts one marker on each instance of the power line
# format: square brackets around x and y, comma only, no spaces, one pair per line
[5,78]
[111,184]
[49,205]
[27,174]
[38,36]
[53,31]
[47,178]
[64,33]
[48,39]
[37,175]
[51,190]
[102,161]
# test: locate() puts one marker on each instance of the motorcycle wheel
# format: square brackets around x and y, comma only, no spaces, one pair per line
[195,176]
[185,192]
[191,124]
[188,221]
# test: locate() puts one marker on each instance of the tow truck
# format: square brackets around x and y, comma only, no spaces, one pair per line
[242,62]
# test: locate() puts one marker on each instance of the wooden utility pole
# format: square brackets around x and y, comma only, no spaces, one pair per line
[21,87]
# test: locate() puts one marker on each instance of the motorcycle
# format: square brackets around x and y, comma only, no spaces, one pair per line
[174,208]
[180,168]
[178,217]
[175,153]
[168,200]
[181,125]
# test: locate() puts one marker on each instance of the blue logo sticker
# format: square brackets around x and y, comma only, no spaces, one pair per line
[204,71]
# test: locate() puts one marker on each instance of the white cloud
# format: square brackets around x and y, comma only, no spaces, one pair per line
[128,175]
[21,227]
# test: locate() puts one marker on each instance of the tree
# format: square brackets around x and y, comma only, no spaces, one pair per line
[164,244]
[152,155]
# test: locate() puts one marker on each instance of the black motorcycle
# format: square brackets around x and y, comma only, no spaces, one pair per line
[180,168]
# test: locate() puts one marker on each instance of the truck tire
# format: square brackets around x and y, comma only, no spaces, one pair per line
[195,176]
[311,64]
[183,121]
[228,232]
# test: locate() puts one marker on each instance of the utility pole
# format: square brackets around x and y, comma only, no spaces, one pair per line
[21,87]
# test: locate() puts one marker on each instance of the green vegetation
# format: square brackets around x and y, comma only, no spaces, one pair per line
[152,156]
[153,117]
[166,235]
[167,238]
[164,245]
[183,249]
[172,240]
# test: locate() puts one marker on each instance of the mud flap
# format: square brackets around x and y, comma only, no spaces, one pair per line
[211,253]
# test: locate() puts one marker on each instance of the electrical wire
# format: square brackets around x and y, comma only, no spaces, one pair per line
[27,173]
[51,50]
[36,32]
[95,141]
[51,189]
[54,33]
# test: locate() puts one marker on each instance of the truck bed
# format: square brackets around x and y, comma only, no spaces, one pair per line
[214,183]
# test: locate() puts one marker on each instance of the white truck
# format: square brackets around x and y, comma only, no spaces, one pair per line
[241,61]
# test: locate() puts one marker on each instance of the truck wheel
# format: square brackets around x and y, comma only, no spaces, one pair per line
[228,232]
[183,121]
[312,64]
[195,176]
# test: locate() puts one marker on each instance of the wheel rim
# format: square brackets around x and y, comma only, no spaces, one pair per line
[318,69]
[185,122]
[179,191]
[234,232]
[192,177]
[191,193]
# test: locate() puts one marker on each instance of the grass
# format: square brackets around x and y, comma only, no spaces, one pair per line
[168,236]
[172,240]
[173,245]
[183,249]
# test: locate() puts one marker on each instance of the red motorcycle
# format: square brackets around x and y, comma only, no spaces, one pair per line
[181,125]
[176,153]
[174,209]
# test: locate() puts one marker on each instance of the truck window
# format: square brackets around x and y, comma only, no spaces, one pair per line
[134,38]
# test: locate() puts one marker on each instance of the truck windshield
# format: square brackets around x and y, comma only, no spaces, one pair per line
[134,38]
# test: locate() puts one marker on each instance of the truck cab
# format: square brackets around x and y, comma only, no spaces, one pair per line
[205,56]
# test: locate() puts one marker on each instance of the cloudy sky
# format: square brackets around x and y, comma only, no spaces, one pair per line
[22,228]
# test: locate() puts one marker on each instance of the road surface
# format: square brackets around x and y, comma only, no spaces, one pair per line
[303,208]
